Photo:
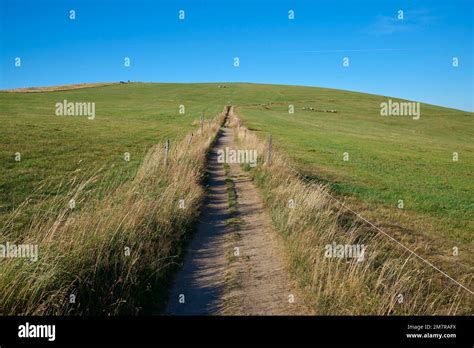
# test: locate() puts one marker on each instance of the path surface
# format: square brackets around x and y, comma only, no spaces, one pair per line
[256,282]
[201,280]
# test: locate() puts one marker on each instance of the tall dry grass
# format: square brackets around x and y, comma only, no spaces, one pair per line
[114,251]
[344,286]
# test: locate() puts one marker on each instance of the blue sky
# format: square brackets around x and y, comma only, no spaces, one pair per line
[409,58]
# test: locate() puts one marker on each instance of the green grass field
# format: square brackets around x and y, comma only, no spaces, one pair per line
[129,118]
[390,158]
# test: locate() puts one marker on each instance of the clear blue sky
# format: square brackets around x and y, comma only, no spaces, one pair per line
[409,58]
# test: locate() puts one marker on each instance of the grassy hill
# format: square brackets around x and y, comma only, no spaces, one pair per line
[390,158]
[129,118]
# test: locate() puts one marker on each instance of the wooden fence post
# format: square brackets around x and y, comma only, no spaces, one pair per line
[269,153]
[167,147]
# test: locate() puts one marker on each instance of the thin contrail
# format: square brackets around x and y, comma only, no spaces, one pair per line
[350,50]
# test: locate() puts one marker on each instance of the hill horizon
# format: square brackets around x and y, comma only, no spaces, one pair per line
[63,87]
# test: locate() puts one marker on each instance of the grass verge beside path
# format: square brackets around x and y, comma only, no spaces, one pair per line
[385,281]
[114,255]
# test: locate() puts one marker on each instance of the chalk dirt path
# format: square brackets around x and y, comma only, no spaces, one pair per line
[213,281]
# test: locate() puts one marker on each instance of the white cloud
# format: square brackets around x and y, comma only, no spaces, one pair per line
[412,21]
